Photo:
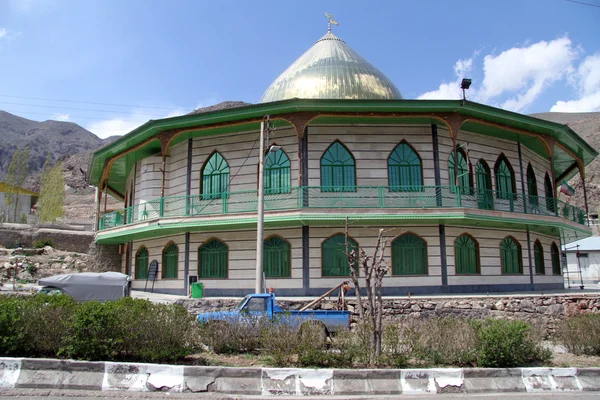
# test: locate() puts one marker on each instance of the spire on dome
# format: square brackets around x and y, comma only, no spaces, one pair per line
[331,21]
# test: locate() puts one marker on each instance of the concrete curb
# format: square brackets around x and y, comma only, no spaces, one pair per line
[137,377]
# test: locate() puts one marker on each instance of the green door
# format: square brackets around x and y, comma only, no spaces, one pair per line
[485,199]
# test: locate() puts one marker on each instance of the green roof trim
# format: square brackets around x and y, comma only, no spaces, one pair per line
[562,133]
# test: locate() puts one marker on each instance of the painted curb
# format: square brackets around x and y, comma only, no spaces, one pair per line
[139,377]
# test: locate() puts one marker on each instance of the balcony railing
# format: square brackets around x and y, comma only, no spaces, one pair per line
[317,197]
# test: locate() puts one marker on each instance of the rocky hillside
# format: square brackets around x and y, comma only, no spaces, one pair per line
[587,125]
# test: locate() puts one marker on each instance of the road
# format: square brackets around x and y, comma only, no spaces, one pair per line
[46,394]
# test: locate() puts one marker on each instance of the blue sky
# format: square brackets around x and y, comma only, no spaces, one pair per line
[161,58]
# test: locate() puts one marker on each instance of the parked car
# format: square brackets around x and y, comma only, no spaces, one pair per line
[263,306]
[87,286]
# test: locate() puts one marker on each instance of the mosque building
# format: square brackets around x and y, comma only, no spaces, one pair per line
[467,193]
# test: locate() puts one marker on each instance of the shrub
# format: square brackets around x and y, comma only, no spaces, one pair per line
[279,342]
[12,333]
[314,351]
[580,334]
[23,218]
[443,341]
[505,344]
[38,244]
[233,336]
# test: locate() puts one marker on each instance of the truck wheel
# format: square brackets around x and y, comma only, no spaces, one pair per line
[316,332]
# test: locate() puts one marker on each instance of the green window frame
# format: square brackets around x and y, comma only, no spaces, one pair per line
[465,178]
[485,194]
[141,263]
[277,173]
[170,261]
[538,253]
[549,192]
[405,169]
[213,260]
[338,169]
[511,256]
[466,255]
[505,179]
[409,255]
[333,256]
[555,255]
[277,258]
[215,177]
[532,192]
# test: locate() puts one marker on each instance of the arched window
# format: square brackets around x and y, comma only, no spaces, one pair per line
[338,172]
[404,169]
[333,256]
[466,255]
[213,259]
[549,192]
[277,258]
[277,173]
[532,191]
[170,261]
[556,270]
[465,178]
[215,177]
[538,252]
[141,263]
[510,256]
[409,255]
[505,179]
[485,198]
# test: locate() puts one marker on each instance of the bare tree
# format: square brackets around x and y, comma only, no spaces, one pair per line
[373,268]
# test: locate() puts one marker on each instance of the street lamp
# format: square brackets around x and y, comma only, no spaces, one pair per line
[260,223]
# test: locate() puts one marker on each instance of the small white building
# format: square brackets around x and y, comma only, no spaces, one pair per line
[27,200]
[582,255]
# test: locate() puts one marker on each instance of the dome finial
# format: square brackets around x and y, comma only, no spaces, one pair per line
[331,21]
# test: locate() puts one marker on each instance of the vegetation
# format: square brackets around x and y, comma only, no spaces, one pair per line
[52,193]
[38,244]
[15,176]
[580,334]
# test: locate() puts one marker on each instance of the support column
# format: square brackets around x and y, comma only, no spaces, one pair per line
[529,258]
[188,184]
[443,258]
[304,166]
[525,199]
[305,259]
[585,199]
[186,265]
[436,165]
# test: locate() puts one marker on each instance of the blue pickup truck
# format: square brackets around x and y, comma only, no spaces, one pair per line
[263,305]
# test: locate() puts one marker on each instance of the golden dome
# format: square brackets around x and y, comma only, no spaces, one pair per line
[330,69]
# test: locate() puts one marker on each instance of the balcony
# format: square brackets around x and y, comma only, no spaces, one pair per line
[360,197]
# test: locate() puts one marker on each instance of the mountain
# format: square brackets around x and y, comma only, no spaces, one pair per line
[587,125]
[60,139]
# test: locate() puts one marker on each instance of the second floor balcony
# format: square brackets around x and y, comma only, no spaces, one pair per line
[333,198]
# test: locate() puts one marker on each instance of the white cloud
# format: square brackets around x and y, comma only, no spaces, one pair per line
[451,90]
[62,117]
[123,125]
[587,81]
[3,33]
[7,34]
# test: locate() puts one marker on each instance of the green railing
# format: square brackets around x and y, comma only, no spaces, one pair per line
[317,197]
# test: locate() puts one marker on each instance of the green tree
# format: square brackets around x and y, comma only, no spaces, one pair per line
[52,193]
[15,176]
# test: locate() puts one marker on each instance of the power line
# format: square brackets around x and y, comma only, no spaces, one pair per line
[72,116]
[79,109]
[582,3]
[87,102]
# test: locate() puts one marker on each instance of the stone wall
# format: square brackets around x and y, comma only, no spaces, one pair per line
[26,235]
[543,310]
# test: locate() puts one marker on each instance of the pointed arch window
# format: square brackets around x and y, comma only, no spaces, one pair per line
[215,177]
[465,178]
[213,259]
[555,255]
[511,256]
[277,258]
[141,263]
[333,256]
[409,255]
[485,198]
[466,255]
[538,252]
[532,192]
[277,173]
[505,179]
[170,261]
[549,192]
[338,169]
[405,170]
